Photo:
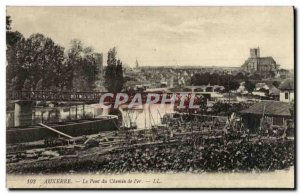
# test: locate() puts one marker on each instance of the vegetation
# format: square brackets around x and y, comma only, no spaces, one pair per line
[276,84]
[230,82]
[38,63]
[217,156]
[249,86]
[114,79]
[226,109]
[81,67]
[226,80]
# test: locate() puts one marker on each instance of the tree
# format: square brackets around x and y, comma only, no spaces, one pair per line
[15,56]
[250,86]
[119,74]
[214,79]
[114,79]
[201,79]
[35,58]
[44,59]
[11,37]
[239,76]
[42,64]
[256,77]
[232,85]
[15,84]
[39,85]
[8,23]
[15,43]
[276,84]
[27,85]
[81,67]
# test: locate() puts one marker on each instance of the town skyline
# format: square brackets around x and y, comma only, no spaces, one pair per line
[195,36]
[150,97]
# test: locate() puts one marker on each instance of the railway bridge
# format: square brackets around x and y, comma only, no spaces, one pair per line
[69,96]
[23,101]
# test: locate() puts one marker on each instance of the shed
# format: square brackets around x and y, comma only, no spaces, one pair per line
[275,113]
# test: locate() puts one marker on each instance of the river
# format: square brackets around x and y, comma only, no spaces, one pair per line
[144,116]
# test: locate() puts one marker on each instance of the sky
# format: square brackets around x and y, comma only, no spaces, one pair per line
[171,36]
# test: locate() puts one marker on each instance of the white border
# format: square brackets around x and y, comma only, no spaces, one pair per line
[5,3]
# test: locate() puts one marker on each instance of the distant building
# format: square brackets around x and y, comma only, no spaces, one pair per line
[283,73]
[287,90]
[266,90]
[205,88]
[257,64]
[171,82]
[136,64]
[163,84]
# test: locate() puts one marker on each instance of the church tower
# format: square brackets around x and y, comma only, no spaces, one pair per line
[255,52]
[254,57]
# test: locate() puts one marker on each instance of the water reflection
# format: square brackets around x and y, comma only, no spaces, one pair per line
[144,116]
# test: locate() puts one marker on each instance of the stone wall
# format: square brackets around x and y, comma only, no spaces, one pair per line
[76,128]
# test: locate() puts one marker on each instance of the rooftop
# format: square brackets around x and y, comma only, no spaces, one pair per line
[269,108]
[266,61]
[287,84]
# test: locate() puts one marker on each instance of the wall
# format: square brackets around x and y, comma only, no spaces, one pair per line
[253,122]
[84,127]
[282,96]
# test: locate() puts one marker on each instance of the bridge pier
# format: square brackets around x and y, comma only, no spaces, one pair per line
[76,113]
[83,111]
[23,113]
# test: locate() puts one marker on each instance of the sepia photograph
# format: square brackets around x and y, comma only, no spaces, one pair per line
[112,97]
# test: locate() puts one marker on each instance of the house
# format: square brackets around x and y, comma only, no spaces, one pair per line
[242,89]
[228,97]
[268,91]
[283,73]
[257,64]
[274,93]
[287,90]
[274,112]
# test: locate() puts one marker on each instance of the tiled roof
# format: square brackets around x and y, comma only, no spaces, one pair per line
[266,61]
[287,84]
[274,91]
[261,61]
[269,108]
